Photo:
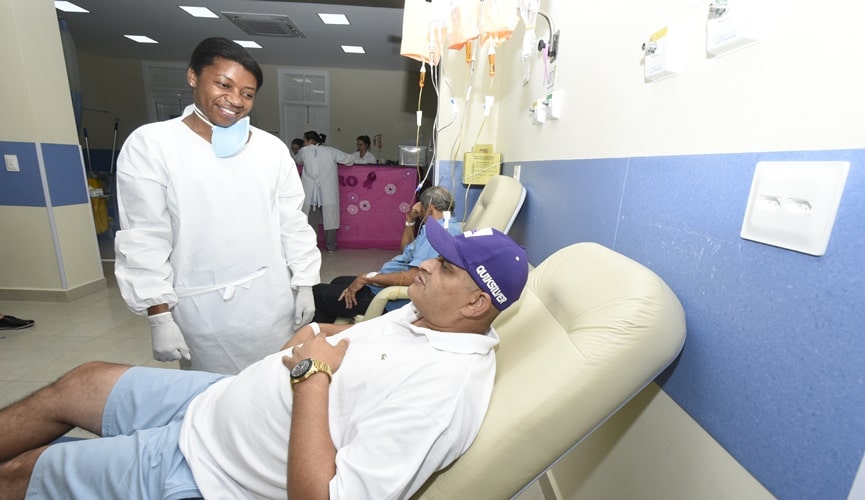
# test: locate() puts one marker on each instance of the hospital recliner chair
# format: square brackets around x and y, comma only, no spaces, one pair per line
[590,331]
[497,206]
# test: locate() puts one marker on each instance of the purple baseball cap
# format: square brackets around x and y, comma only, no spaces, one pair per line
[495,262]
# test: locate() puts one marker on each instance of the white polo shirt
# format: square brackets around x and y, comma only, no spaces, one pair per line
[405,402]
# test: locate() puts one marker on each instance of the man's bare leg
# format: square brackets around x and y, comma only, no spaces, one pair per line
[76,399]
[15,474]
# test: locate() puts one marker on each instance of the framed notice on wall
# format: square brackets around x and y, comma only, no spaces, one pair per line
[481,164]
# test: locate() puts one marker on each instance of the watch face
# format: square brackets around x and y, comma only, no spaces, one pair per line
[300,368]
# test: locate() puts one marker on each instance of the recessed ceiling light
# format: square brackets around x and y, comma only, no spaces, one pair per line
[198,11]
[140,38]
[249,44]
[68,7]
[333,18]
[353,49]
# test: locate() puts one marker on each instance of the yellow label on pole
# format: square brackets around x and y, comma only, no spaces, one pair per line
[661,33]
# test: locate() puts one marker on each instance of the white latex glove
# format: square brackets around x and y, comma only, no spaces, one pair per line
[304,306]
[168,343]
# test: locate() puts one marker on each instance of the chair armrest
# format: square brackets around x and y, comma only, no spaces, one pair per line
[376,307]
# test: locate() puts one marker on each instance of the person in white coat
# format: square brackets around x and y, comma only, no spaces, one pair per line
[214,246]
[362,156]
[320,179]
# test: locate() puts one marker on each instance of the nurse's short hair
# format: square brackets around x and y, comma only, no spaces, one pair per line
[211,48]
[439,197]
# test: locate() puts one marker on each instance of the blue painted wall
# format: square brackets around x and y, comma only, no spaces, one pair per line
[774,364]
[63,172]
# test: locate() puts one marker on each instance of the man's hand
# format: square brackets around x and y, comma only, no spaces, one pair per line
[304,306]
[168,342]
[315,347]
[415,213]
[349,293]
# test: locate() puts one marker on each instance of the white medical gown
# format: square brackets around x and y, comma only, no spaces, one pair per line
[221,240]
[321,180]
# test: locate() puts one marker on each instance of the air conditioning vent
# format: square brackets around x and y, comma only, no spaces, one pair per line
[264,24]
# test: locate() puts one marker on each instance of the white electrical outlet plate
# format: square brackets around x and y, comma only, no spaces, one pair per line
[793,204]
[11,163]
[517,169]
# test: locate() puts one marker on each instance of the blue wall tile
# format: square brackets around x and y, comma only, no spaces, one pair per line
[63,170]
[22,188]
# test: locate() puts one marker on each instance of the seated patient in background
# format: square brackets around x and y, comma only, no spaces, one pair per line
[368,411]
[348,296]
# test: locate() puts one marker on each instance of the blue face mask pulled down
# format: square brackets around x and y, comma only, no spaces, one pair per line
[226,141]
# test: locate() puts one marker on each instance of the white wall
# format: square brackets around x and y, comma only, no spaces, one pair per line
[758,99]
[29,89]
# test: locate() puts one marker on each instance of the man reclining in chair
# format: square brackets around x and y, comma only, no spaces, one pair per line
[370,411]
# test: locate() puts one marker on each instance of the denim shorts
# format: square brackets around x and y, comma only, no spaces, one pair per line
[138,457]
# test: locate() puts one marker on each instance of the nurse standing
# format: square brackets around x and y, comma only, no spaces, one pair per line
[214,246]
[321,184]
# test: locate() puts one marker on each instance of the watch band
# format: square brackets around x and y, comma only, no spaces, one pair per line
[315,366]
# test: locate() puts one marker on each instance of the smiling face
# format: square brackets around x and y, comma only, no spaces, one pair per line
[224,91]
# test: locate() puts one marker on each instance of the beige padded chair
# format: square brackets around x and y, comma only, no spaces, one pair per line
[590,331]
[498,205]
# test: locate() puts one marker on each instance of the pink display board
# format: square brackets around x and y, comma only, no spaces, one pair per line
[373,202]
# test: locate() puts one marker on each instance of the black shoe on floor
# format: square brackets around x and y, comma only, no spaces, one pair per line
[12,323]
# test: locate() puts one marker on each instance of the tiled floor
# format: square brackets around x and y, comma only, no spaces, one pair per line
[100,327]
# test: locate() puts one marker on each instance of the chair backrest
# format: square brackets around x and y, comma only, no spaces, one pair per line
[498,204]
[590,331]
